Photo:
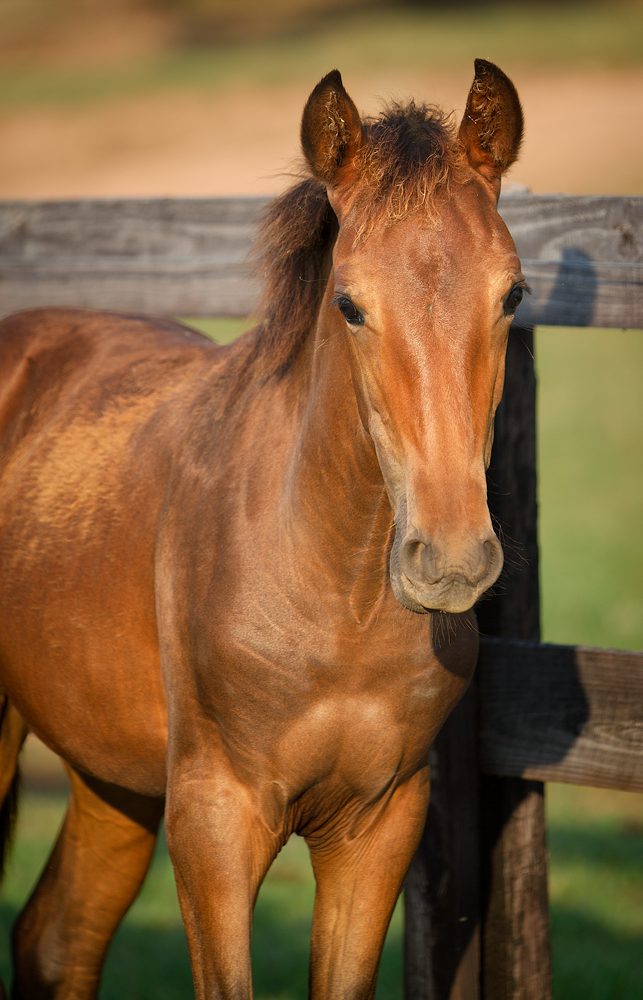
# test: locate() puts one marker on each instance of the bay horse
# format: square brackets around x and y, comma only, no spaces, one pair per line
[236,582]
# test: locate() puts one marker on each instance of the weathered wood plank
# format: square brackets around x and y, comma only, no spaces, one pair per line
[583,256]
[561,713]
[171,288]
[170,256]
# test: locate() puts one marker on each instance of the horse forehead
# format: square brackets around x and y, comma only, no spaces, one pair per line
[465,233]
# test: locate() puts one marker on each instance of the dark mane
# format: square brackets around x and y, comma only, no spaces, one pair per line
[290,260]
[410,151]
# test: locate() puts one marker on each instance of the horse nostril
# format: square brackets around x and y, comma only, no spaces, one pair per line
[433,572]
[422,562]
[418,561]
[411,556]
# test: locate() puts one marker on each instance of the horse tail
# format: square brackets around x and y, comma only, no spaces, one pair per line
[13,731]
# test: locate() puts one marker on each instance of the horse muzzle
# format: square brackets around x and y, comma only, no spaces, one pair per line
[429,576]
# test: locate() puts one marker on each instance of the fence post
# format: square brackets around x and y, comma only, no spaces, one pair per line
[441,896]
[476,910]
[515,934]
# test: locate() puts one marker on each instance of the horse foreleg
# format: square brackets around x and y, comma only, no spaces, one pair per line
[359,876]
[95,871]
[221,847]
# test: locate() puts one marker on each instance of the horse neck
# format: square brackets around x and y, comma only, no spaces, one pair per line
[338,505]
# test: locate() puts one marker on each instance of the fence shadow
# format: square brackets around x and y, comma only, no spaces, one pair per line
[572,297]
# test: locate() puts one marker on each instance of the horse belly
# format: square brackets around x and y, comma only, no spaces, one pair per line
[78,639]
[90,709]
[79,659]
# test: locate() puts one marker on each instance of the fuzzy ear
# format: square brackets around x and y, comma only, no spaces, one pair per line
[331,130]
[491,129]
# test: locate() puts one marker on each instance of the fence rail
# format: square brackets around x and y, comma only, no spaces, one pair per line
[183,257]
[477,920]
[561,713]
[582,256]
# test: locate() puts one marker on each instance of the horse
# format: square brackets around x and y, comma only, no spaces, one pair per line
[237,581]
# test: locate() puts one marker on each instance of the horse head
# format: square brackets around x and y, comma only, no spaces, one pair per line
[424,284]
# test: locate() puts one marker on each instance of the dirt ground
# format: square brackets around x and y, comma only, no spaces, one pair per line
[584,135]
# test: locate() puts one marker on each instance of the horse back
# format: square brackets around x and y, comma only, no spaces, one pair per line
[48,356]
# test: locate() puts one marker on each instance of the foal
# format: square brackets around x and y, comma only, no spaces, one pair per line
[221,568]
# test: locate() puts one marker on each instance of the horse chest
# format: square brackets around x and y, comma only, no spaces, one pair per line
[358,743]
[354,715]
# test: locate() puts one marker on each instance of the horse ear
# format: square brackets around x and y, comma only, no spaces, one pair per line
[331,130]
[491,129]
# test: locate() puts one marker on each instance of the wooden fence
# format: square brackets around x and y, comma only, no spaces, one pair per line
[477,921]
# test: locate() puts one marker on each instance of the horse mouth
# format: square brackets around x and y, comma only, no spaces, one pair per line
[454,591]
[454,595]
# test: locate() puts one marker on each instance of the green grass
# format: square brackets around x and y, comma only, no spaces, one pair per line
[148,959]
[518,36]
[590,436]
[221,330]
[596,893]
[590,431]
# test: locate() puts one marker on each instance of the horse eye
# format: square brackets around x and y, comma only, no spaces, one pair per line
[513,300]
[350,312]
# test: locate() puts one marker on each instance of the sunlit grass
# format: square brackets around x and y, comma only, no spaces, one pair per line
[148,959]
[596,892]
[590,429]
[223,331]
[518,36]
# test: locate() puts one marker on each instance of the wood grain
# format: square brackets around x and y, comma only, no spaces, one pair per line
[516,951]
[167,256]
[582,256]
[561,713]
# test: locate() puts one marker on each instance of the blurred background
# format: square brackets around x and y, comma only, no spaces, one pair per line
[104,98]
[197,97]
